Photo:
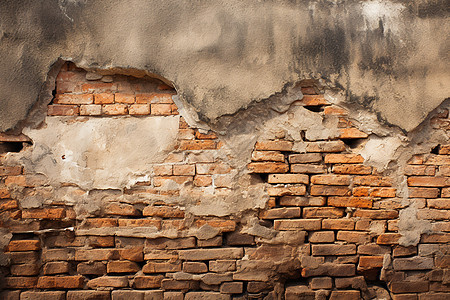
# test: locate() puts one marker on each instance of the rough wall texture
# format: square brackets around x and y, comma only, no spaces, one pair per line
[390,56]
[296,197]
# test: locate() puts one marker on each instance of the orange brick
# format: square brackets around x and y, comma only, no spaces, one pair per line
[148,282]
[139,109]
[24,245]
[445,193]
[222,225]
[343,159]
[62,110]
[63,282]
[163,212]
[420,170]
[376,214]
[382,192]
[44,213]
[322,212]
[90,110]
[73,99]
[433,214]
[161,109]
[114,109]
[292,190]
[352,133]
[288,178]
[439,238]
[121,209]
[350,202]
[439,203]
[10,171]
[155,98]
[205,136]
[274,145]
[330,146]
[198,145]
[444,170]
[352,169]
[103,98]
[139,223]
[314,100]
[328,190]
[429,181]
[372,180]
[267,156]
[335,111]
[281,213]
[124,98]
[8,204]
[305,158]
[331,179]
[184,170]
[202,180]
[388,238]
[438,160]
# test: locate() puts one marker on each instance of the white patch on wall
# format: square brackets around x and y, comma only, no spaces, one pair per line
[385,11]
[100,152]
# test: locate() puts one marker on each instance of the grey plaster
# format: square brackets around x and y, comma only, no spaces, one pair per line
[390,56]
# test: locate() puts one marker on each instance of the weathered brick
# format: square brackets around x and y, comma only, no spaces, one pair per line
[303,158]
[370,262]
[274,145]
[162,170]
[122,266]
[331,146]
[321,237]
[308,168]
[352,169]
[348,295]
[239,239]
[423,192]
[291,190]
[121,209]
[210,254]
[435,238]
[205,136]
[352,133]
[93,268]
[445,193]
[321,283]
[62,110]
[203,180]
[301,224]
[73,99]
[443,170]
[388,238]
[281,213]
[24,245]
[376,214]
[99,87]
[339,224]
[302,201]
[114,109]
[44,213]
[222,224]
[413,263]
[139,109]
[350,202]
[62,282]
[353,237]
[267,156]
[409,286]
[8,205]
[216,168]
[205,296]
[96,254]
[90,110]
[372,180]
[322,212]
[198,145]
[333,249]
[195,267]
[103,98]
[439,203]
[171,284]
[213,242]
[431,296]
[98,223]
[10,171]
[4,193]
[41,295]
[223,265]
[329,190]
[299,292]
[343,159]
[428,181]
[160,267]
[404,251]
[330,269]
[288,178]
[334,110]
[420,170]
[20,282]
[131,253]
[268,167]
[166,243]
[88,295]
[56,267]
[108,281]
[124,98]
[433,214]
[331,179]
[163,212]
[161,109]
[232,287]
[24,270]
[139,223]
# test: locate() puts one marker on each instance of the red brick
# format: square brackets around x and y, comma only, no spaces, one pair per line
[352,169]
[114,109]
[322,212]
[148,282]
[343,159]
[139,109]
[352,133]
[334,111]
[291,190]
[288,178]
[122,266]
[340,224]
[63,110]
[301,224]
[305,158]
[161,109]
[376,214]
[268,167]
[423,192]
[125,98]
[165,98]
[388,238]
[20,282]
[420,170]
[331,146]
[24,245]
[308,168]
[438,160]
[314,100]
[73,99]
[198,145]
[44,213]
[97,87]
[350,202]
[63,282]
[274,145]
[331,179]
[281,213]
[163,212]
[328,190]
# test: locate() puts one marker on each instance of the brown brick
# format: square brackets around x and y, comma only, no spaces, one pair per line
[348,295]
[445,193]
[353,237]
[73,99]
[108,281]
[429,181]
[147,282]
[158,109]
[95,254]
[376,214]
[4,193]
[322,212]
[20,282]
[56,267]
[343,159]
[98,223]
[341,224]
[94,268]
[439,203]
[24,270]
[195,267]
[161,170]
[334,110]
[10,171]
[333,249]
[373,249]
[202,180]
[388,238]
[331,179]
[210,254]
[198,145]
[350,202]
[274,145]
[184,170]
[115,109]
[433,214]
[413,263]
[122,266]
[302,201]
[221,266]
[433,159]
[161,267]
[404,251]
[299,292]
[331,146]
[321,283]
[41,295]
[308,168]
[44,213]
[352,169]
[268,167]
[163,212]
[24,245]
[213,242]
[420,170]
[121,209]
[291,190]
[288,178]
[444,170]
[302,224]
[124,98]
[232,287]
[281,213]
[139,109]
[62,110]
[431,296]
[90,110]
[328,190]
[239,239]
[267,156]
[63,282]
[131,253]
[409,286]
[205,136]
[435,238]
[303,158]
[321,237]
[314,100]
[423,192]
[329,269]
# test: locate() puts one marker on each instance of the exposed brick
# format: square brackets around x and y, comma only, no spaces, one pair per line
[221,266]
[202,180]
[239,239]
[433,214]
[348,295]
[376,214]
[108,281]
[163,212]
[41,295]
[429,181]
[122,266]
[333,249]
[303,158]
[131,253]
[44,213]
[195,267]
[147,282]
[445,193]
[372,180]
[158,109]
[210,254]
[328,190]
[404,251]
[340,224]
[161,267]
[352,169]
[63,282]
[198,145]
[73,99]
[443,170]
[423,192]
[334,110]
[217,168]
[439,203]
[24,245]
[165,98]
[433,296]
[409,286]
[291,190]
[161,181]
[121,209]
[99,87]
[352,133]
[232,287]
[420,170]
[373,249]
[221,224]
[350,202]
[165,243]
[114,109]
[353,237]
[24,270]
[98,223]
[322,212]
[95,254]
[329,269]
[161,170]
[301,224]
[331,179]
[299,292]
[8,204]
[274,146]
[308,168]
[321,237]
[288,178]
[388,238]
[94,268]
[268,167]
[435,238]
[321,283]
[205,296]
[343,159]
[370,262]
[314,100]
[4,193]
[88,295]
[125,98]
[103,98]
[184,170]
[213,242]
[62,110]
[57,267]
[10,171]
[267,156]
[331,146]
[139,223]
[413,263]
[302,201]
[281,213]
[139,109]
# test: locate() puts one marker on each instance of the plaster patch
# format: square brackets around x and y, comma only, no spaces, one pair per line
[100,153]
[379,152]
[378,11]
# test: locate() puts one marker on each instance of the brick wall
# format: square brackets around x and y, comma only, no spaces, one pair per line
[329,229]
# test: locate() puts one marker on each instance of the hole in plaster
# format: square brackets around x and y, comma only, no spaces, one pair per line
[314,108]
[354,143]
[436,149]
